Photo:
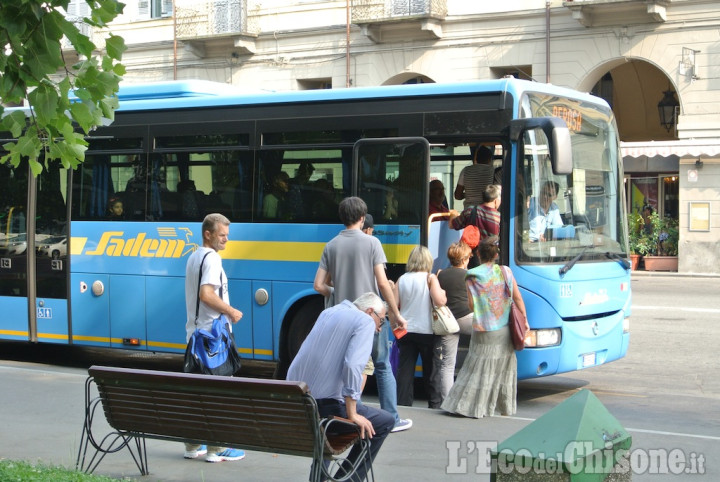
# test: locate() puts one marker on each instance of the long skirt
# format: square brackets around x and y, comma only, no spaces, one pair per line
[488,378]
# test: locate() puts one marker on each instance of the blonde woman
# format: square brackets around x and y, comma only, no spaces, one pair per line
[415,293]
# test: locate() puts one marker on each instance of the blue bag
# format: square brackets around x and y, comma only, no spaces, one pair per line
[212,352]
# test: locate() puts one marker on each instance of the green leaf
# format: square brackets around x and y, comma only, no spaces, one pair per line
[35,166]
[44,101]
[29,144]
[80,41]
[108,106]
[70,151]
[16,122]
[82,114]
[106,11]
[115,46]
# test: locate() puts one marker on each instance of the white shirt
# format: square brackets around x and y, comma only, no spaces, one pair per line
[213,274]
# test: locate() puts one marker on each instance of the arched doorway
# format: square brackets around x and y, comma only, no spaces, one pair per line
[634,89]
[408,78]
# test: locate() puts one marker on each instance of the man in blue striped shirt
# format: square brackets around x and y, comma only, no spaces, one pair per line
[331,361]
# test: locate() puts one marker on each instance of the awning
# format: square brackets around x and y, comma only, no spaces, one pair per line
[692,148]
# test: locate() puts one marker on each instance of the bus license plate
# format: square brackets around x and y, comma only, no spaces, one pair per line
[588,360]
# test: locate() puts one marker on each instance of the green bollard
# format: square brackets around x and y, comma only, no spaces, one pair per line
[578,441]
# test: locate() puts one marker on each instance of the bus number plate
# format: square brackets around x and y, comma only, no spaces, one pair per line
[44,313]
[588,360]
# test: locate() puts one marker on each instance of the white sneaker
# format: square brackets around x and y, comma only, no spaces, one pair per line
[193,454]
[226,455]
[402,424]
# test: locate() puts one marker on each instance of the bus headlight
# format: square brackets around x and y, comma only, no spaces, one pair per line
[544,337]
[626,325]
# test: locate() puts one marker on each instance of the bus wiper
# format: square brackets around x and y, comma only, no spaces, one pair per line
[625,263]
[572,262]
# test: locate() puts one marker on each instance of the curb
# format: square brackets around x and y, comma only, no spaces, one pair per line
[674,274]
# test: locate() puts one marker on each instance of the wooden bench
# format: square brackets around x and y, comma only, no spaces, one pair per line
[263,415]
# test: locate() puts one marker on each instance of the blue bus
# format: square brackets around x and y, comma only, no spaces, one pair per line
[277,164]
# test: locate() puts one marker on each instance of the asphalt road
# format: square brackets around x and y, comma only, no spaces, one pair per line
[665,393]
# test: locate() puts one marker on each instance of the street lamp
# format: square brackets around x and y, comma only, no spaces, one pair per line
[667,108]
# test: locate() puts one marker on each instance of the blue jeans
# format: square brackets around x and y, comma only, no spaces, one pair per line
[386,385]
[382,423]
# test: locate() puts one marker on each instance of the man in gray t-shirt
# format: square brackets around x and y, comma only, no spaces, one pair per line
[353,263]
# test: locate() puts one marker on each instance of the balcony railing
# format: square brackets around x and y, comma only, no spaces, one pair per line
[206,19]
[374,11]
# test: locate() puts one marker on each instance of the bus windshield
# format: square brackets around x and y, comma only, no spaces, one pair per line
[575,216]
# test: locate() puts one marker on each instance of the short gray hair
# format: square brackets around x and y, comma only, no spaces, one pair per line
[491,193]
[369,300]
[212,220]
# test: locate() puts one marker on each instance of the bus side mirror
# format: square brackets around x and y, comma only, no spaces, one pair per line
[556,131]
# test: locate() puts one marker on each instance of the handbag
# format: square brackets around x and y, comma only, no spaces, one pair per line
[211,352]
[517,320]
[443,321]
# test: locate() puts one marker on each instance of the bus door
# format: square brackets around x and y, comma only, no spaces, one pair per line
[34,254]
[392,178]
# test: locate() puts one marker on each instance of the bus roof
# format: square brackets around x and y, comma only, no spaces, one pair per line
[199,94]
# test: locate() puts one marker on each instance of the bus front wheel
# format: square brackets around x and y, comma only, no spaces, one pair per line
[301,323]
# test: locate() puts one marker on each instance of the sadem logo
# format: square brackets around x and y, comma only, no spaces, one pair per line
[169,243]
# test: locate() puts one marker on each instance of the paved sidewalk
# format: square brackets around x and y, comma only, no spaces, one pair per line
[43,416]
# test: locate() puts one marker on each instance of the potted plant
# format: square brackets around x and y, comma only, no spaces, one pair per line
[640,244]
[663,243]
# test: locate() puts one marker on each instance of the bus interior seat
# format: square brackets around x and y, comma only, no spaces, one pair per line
[134,205]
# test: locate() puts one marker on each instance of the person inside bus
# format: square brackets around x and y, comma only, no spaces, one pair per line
[487,381]
[475,178]
[115,209]
[485,216]
[297,194]
[323,206]
[274,202]
[368,225]
[543,212]
[438,201]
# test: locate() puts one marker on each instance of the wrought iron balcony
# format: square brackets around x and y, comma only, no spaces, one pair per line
[381,19]
[213,20]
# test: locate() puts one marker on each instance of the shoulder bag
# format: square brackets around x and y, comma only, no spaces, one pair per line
[211,352]
[443,321]
[517,320]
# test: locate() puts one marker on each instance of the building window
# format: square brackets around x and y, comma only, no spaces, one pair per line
[523,72]
[155,8]
[314,84]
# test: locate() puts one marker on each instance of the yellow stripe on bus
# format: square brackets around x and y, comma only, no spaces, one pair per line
[14,333]
[119,341]
[299,251]
[273,251]
[77,245]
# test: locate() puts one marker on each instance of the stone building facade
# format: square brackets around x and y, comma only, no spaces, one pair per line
[636,54]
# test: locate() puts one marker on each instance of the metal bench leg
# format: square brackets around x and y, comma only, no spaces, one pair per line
[110,443]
